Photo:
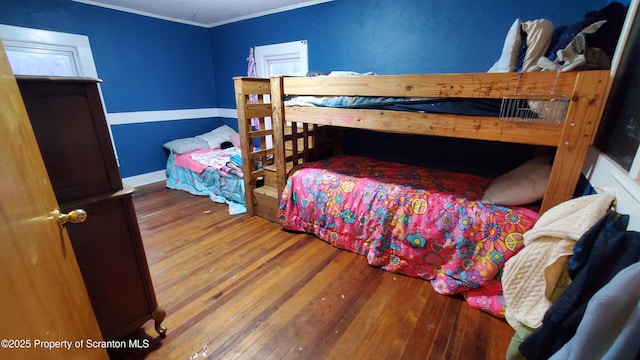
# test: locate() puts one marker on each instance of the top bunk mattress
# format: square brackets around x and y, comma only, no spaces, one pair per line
[456,106]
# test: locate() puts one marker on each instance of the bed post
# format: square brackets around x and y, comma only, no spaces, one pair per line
[277,107]
[581,122]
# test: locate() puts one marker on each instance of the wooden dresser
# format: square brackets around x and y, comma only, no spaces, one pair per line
[71,129]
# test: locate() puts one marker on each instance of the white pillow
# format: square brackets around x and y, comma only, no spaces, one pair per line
[217,136]
[185,145]
[510,48]
[523,185]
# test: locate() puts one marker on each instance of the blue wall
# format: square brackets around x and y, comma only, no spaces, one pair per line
[386,37]
[145,64]
[403,36]
[150,64]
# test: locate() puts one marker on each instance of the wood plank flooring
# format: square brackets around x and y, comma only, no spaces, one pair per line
[236,287]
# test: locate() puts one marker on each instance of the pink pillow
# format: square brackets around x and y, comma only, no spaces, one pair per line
[235,139]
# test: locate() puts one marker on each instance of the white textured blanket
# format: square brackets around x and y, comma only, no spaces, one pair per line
[530,277]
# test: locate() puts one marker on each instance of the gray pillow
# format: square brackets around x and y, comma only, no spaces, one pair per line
[181,146]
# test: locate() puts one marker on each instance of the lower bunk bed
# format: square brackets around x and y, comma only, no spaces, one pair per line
[416,221]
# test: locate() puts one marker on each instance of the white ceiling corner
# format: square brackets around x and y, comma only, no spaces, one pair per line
[204,13]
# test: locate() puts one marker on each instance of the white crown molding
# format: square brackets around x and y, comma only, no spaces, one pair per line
[139,12]
[270,12]
[200,24]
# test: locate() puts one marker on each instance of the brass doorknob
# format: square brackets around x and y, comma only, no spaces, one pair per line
[75,216]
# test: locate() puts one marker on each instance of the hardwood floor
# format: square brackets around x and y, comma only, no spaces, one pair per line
[236,287]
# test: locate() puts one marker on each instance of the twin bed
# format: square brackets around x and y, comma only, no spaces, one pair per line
[200,166]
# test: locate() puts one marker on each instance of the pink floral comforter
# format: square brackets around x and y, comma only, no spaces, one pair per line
[409,220]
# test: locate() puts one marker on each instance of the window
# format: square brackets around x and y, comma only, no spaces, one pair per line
[49,53]
[613,164]
[29,61]
[619,133]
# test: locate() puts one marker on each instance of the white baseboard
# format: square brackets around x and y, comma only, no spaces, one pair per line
[144,179]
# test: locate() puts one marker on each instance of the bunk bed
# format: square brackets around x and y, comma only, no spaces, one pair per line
[453,265]
[445,227]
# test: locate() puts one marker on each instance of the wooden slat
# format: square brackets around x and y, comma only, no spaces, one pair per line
[260,133]
[294,143]
[467,127]
[288,130]
[257,110]
[268,191]
[301,143]
[478,85]
[305,141]
[261,153]
[252,86]
[256,174]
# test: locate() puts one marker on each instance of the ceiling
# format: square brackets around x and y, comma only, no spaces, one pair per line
[205,13]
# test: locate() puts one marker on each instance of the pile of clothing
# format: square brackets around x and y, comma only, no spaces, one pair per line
[234,165]
[574,290]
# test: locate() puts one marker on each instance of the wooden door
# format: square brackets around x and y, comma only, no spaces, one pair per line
[44,306]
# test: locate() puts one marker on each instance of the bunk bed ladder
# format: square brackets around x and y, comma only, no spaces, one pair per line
[254,113]
[266,164]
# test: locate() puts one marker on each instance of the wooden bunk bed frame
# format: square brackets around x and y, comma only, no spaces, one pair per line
[296,130]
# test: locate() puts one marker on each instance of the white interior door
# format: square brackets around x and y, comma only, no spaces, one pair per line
[289,58]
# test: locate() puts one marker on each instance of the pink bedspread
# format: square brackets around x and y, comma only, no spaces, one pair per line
[409,220]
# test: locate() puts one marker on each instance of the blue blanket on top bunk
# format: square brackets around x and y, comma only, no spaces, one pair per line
[458,106]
